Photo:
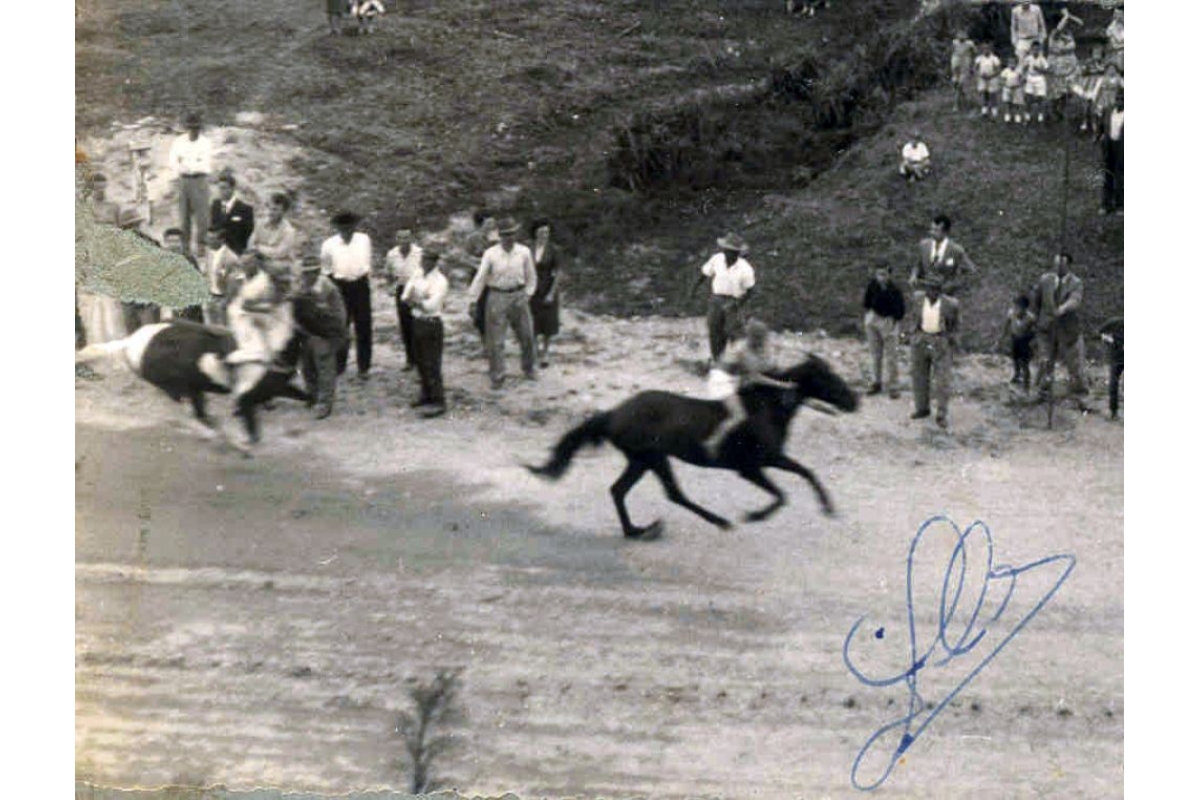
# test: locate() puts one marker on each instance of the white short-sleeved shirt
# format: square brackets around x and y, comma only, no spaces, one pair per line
[915,152]
[729,281]
[347,261]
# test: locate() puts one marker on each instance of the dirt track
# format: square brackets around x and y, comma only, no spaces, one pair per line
[255,622]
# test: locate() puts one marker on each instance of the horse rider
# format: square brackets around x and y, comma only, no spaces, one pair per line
[260,315]
[742,364]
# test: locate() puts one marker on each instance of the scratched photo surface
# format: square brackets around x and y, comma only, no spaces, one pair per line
[567,587]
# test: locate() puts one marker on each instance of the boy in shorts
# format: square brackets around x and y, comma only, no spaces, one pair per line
[987,67]
[962,54]
[1012,90]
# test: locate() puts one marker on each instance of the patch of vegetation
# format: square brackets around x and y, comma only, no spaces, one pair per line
[435,708]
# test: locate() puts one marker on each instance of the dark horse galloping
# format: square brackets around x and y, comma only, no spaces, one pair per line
[653,426]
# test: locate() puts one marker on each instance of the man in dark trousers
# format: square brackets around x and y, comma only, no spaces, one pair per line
[884,304]
[231,212]
[935,326]
[1112,143]
[320,313]
[1112,333]
[731,280]
[1055,304]
[425,294]
[191,161]
[346,258]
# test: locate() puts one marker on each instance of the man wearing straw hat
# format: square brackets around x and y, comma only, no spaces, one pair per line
[507,272]
[321,314]
[732,281]
[346,258]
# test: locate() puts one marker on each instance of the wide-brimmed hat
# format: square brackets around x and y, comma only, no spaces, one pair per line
[508,225]
[731,241]
[345,218]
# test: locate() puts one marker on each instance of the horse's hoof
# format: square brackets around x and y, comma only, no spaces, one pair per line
[829,511]
[753,516]
[649,533]
[724,524]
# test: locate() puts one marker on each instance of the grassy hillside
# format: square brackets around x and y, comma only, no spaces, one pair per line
[644,128]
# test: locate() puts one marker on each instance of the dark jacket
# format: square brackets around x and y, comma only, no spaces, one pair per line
[886,300]
[238,223]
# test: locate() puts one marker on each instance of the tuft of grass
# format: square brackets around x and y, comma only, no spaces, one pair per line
[435,708]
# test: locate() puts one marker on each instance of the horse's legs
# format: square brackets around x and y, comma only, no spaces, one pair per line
[662,468]
[781,461]
[756,476]
[200,409]
[294,392]
[633,473]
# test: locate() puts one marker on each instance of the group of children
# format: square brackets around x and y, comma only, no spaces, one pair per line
[1036,84]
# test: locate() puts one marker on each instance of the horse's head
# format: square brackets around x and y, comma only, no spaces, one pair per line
[816,380]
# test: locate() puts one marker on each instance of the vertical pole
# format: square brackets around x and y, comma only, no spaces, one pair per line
[1062,244]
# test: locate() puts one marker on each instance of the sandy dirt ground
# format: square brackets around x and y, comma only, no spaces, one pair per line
[258,622]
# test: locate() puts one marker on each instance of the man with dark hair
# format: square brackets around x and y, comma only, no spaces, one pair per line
[884,304]
[1055,303]
[941,256]
[402,262]
[346,258]
[275,237]
[220,264]
[231,212]
[425,293]
[321,315]
[508,274]
[191,161]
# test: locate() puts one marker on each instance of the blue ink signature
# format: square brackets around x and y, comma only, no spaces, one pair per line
[911,725]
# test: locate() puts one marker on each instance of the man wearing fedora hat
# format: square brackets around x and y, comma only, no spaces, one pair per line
[190,159]
[424,294]
[934,329]
[732,281]
[346,258]
[321,315]
[508,273]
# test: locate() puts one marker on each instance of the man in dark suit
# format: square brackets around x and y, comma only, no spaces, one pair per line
[1112,141]
[941,256]
[1055,304]
[934,326]
[232,213]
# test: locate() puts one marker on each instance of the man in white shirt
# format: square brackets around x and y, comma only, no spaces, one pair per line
[915,163]
[346,258]
[934,333]
[191,162]
[1113,147]
[425,294]
[732,281]
[276,238]
[508,273]
[1028,25]
[402,262]
[219,265]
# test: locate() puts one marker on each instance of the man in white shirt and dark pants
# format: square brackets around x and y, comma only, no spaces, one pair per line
[424,294]
[402,262]
[346,258]
[507,271]
[191,161]
[732,280]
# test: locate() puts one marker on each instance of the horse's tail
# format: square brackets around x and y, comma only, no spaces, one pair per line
[593,431]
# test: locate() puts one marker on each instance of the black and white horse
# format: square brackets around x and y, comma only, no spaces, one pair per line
[187,360]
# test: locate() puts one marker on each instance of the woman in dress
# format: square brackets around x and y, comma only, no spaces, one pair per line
[544,303]
[1064,64]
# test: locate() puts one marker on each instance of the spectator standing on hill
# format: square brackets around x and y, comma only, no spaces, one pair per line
[731,280]
[366,12]
[941,257]
[1012,91]
[1112,333]
[220,262]
[1104,97]
[275,237]
[544,303]
[190,159]
[478,242]
[1018,333]
[402,262]
[425,293]
[231,212]
[935,325]
[1086,87]
[507,272]
[1027,26]
[1036,67]
[1064,64]
[884,305]
[321,314]
[962,56]
[1055,304]
[987,67]
[915,160]
[346,258]
[1115,33]
[1112,143]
